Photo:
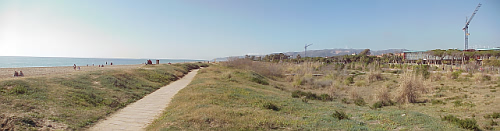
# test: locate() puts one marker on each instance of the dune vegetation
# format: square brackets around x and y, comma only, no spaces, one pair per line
[74,102]
[242,94]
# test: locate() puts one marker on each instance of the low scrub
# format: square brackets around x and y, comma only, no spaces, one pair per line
[257,78]
[455,75]
[359,101]
[375,76]
[270,70]
[494,115]
[311,96]
[410,88]
[437,102]
[77,101]
[466,123]
[271,106]
[340,115]
[380,104]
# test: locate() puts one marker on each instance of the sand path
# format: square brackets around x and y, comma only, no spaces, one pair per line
[138,115]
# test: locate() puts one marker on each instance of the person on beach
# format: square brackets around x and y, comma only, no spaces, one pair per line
[74,66]
[102,65]
[99,65]
[21,73]
[16,74]
[106,63]
[111,63]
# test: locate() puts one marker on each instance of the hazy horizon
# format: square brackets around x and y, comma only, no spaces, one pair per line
[203,30]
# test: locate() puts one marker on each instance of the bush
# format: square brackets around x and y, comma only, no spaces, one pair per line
[19,87]
[311,96]
[271,106]
[359,101]
[340,115]
[349,80]
[435,102]
[493,115]
[325,97]
[345,101]
[377,76]
[422,70]
[492,122]
[377,104]
[384,97]
[296,94]
[467,123]
[456,74]
[257,78]
[411,87]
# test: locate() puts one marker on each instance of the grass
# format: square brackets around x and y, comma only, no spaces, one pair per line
[466,123]
[78,101]
[212,103]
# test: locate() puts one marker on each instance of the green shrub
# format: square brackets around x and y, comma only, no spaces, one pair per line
[349,80]
[422,70]
[28,121]
[19,87]
[435,102]
[345,101]
[19,90]
[310,95]
[359,101]
[494,115]
[397,71]
[456,74]
[381,104]
[467,123]
[296,94]
[325,97]
[340,115]
[257,78]
[486,77]
[377,104]
[492,122]
[271,106]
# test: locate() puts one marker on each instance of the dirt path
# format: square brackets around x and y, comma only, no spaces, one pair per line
[138,115]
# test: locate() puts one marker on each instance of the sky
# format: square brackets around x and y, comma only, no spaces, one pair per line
[207,29]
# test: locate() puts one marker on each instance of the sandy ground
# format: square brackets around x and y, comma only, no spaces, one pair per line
[8,73]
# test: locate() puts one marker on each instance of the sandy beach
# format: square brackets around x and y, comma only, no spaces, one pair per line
[8,73]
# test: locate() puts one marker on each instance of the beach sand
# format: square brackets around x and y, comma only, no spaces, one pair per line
[8,73]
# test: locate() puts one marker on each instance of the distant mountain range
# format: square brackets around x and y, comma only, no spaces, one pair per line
[330,52]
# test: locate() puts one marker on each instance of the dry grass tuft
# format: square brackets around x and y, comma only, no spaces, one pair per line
[270,70]
[410,89]
[374,76]
[383,95]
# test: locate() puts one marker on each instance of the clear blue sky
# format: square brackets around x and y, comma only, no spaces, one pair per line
[206,29]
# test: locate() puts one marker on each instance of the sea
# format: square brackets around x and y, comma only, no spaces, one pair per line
[22,61]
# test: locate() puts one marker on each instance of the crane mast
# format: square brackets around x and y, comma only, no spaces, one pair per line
[305,50]
[466,28]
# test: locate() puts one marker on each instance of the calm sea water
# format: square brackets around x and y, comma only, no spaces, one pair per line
[20,61]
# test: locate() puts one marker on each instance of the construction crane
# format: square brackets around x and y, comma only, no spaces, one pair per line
[305,50]
[466,28]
